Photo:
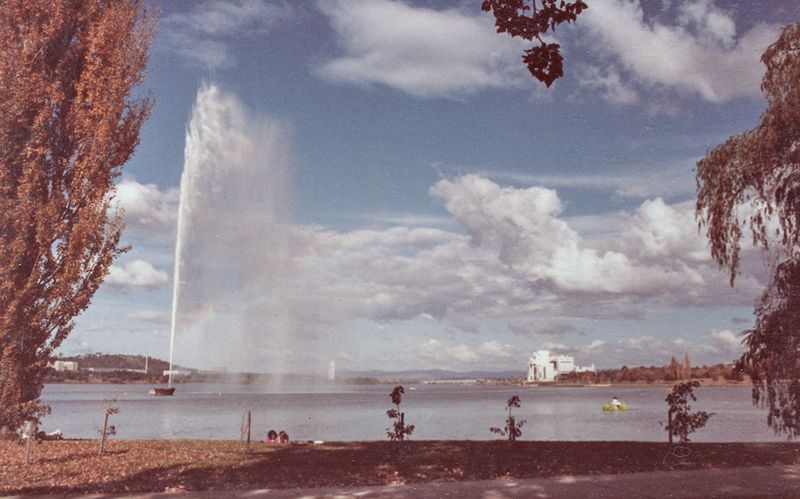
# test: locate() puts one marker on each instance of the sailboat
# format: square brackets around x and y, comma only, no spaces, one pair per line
[161,390]
[164,390]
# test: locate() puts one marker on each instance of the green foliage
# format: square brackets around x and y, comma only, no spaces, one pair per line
[681,421]
[399,430]
[512,428]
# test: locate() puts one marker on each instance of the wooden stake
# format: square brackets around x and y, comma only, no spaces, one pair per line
[248,431]
[103,435]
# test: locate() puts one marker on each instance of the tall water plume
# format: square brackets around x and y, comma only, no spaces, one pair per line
[232,249]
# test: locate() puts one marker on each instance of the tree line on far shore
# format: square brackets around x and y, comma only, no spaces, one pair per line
[674,371]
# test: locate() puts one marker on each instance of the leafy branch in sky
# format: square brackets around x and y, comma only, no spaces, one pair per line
[517,18]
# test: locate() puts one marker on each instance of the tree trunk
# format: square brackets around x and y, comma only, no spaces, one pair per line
[669,426]
[31,429]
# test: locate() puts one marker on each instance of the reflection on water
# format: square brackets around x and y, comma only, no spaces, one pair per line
[345,412]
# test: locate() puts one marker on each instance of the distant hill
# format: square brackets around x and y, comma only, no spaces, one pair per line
[433,374]
[105,362]
[117,361]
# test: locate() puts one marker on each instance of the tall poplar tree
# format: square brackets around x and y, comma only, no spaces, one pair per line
[68,122]
[753,181]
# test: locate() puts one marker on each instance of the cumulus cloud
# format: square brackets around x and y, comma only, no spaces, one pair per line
[726,341]
[135,274]
[203,35]
[464,356]
[518,264]
[524,229]
[660,230]
[419,51]
[698,54]
[146,208]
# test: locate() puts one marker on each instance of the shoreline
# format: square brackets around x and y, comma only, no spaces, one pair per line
[138,466]
[704,382]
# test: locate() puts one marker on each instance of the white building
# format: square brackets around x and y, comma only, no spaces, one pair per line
[65,365]
[545,367]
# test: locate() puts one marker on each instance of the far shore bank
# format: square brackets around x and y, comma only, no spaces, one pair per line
[479,382]
[137,466]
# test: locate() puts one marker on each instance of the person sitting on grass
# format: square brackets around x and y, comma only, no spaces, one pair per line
[271,438]
[283,437]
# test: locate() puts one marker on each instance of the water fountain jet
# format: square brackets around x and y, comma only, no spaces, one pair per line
[232,245]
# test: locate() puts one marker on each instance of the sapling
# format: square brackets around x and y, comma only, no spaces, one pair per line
[513,427]
[399,429]
[680,421]
[107,430]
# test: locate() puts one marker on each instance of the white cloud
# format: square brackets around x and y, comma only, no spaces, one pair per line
[524,229]
[136,274]
[462,356]
[436,350]
[203,35]
[157,316]
[727,341]
[610,84]
[708,21]
[560,348]
[698,55]
[661,230]
[594,345]
[420,51]
[495,349]
[147,209]
[668,179]
[519,264]
[546,328]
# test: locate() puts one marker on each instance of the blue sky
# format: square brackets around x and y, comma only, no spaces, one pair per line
[439,208]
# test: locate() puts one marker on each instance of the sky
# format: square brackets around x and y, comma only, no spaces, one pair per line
[386,187]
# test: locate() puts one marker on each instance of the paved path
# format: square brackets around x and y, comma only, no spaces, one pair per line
[768,481]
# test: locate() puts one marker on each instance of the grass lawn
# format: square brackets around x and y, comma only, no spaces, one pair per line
[73,466]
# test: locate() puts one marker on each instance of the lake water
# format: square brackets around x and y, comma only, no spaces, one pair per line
[352,412]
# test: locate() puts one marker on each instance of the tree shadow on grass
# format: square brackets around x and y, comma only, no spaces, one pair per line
[384,463]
